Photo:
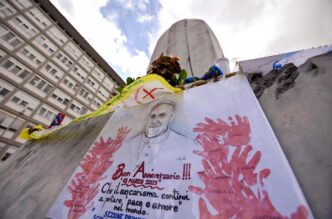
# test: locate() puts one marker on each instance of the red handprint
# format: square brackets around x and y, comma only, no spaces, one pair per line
[229,182]
[84,187]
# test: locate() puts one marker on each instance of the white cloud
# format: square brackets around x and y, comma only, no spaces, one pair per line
[245,28]
[134,4]
[105,37]
[113,16]
[144,18]
[250,29]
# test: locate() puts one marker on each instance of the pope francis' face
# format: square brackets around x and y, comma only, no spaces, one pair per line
[158,120]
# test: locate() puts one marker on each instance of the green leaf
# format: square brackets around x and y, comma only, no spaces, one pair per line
[119,89]
[130,80]
[182,76]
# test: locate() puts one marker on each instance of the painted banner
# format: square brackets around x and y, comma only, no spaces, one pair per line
[207,152]
[143,90]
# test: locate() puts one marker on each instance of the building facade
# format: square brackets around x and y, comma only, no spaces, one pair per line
[46,67]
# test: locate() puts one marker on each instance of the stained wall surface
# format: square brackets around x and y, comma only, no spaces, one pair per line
[32,178]
[298,104]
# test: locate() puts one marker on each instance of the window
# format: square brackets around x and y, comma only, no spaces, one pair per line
[8,64]
[15,43]
[4,91]
[40,84]
[66,101]
[20,102]
[79,73]
[23,74]
[74,108]
[59,56]
[47,88]
[86,63]
[34,80]
[96,103]
[25,26]
[83,111]
[47,67]
[31,54]
[92,83]
[72,50]
[25,52]
[36,15]
[42,111]
[9,37]
[6,10]
[85,94]
[15,99]
[62,100]
[52,71]
[46,113]
[22,4]
[57,35]
[46,45]
[64,60]
[70,84]
[15,69]
[23,103]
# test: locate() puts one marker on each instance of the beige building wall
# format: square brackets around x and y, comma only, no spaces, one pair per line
[46,67]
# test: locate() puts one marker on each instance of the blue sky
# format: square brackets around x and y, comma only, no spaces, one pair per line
[125,32]
[135,19]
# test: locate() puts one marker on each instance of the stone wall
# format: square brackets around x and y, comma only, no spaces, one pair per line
[33,177]
[298,105]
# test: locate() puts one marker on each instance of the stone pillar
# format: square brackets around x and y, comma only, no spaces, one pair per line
[194,42]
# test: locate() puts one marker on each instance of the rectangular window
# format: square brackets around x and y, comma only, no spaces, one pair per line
[15,99]
[66,101]
[42,111]
[4,92]
[47,88]
[8,64]
[48,114]
[53,71]
[48,67]
[15,43]
[58,56]
[41,85]
[16,69]
[25,52]
[8,36]
[23,74]
[34,80]
[31,56]
[25,25]
[23,103]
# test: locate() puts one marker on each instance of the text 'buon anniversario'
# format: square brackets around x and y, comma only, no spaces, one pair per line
[127,190]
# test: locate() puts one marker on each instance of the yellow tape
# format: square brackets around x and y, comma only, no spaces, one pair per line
[106,107]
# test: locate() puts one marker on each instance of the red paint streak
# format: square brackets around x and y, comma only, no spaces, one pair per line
[141,185]
[85,185]
[149,93]
[232,185]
